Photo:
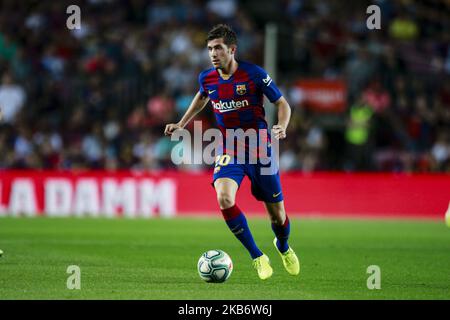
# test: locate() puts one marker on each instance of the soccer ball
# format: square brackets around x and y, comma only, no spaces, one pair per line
[215,266]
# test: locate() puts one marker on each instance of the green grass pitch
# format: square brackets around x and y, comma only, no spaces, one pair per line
[156,259]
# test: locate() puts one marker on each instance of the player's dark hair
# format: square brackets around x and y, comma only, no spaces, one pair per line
[222,31]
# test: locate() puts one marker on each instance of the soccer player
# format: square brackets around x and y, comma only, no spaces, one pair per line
[236,90]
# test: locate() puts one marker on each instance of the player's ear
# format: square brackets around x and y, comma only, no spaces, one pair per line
[233,48]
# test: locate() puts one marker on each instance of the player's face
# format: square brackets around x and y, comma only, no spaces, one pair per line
[219,53]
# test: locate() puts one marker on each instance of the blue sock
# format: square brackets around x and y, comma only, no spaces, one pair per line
[237,223]
[282,234]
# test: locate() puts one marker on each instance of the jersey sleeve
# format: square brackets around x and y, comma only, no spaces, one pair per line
[266,84]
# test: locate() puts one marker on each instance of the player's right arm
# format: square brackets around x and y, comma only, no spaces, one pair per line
[198,103]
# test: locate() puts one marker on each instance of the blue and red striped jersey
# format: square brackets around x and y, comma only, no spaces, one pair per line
[238,102]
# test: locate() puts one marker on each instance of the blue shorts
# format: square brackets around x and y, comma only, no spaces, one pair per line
[265,187]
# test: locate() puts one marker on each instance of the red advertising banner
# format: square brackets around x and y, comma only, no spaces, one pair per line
[324,95]
[87,193]
[170,193]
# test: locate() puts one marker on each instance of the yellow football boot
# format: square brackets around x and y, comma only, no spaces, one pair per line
[262,265]
[290,260]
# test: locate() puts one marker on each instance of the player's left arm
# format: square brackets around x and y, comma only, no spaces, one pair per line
[284,115]
[271,91]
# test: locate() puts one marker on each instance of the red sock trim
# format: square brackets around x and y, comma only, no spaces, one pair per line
[231,212]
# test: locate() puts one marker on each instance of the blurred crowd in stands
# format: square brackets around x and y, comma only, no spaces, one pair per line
[99,97]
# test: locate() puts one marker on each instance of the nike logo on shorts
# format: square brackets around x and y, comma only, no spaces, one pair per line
[276,194]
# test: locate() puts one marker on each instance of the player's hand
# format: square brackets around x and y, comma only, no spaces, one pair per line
[279,131]
[171,127]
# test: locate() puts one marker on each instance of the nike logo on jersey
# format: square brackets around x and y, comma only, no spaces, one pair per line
[211,91]
[276,194]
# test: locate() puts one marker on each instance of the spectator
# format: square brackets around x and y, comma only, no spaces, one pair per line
[359,70]
[12,98]
[377,97]
[403,28]
[441,149]
[358,135]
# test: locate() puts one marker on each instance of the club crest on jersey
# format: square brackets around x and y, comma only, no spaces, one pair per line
[241,89]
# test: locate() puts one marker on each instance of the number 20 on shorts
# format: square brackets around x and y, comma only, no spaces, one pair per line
[223,160]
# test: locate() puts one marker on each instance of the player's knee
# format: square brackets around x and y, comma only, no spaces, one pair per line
[225,200]
[278,217]
[277,220]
